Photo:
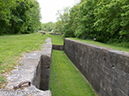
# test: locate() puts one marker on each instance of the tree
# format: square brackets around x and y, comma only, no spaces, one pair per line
[19,16]
[63,18]
[105,20]
[110,23]
[86,20]
[58,27]
[70,27]
[124,32]
[48,26]
[5,11]
[34,17]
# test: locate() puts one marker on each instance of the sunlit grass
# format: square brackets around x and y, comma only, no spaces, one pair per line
[13,46]
[65,79]
[114,46]
[56,39]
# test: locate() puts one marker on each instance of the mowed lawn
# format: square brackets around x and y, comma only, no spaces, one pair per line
[115,46]
[56,39]
[13,46]
[65,79]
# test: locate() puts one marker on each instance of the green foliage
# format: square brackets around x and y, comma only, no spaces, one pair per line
[63,15]
[33,17]
[48,26]
[58,27]
[105,20]
[19,16]
[108,20]
[81,20]
[124,33]
[5,15]
[86,20]
[70,27]
[63,18]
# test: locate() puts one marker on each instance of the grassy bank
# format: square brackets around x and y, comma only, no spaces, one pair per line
[13,46]
[65,79]
[56,39]
[115,46]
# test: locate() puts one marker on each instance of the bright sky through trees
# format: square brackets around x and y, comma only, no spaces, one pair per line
[49,8]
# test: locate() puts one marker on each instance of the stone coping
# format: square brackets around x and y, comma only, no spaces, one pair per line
[106,70]
[26,71]
[103,48]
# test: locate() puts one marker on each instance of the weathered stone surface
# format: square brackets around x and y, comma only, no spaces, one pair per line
[107,70]
[30,69]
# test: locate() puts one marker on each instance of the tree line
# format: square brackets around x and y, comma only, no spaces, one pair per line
[58,26]
[19,16]
[52,27]
[47,26]
[105,20]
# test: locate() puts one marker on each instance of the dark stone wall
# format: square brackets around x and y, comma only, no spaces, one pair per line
[58,47]
[42,74]
[106,70]
[45,65]
[45,72]
[33,67]
[37,74]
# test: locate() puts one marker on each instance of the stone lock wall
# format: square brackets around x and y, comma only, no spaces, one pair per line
[106,70]
[35,68]
[58,47]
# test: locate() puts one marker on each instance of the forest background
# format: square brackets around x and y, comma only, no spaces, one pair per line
[104,20]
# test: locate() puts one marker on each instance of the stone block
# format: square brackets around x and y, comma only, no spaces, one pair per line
[106,70]
[58,47]
[30,69]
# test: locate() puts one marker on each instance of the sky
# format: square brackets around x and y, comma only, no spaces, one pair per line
[49,8]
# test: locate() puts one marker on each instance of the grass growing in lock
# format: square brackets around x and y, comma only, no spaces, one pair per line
[65,79]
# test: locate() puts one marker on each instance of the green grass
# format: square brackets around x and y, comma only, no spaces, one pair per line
[65,79]
[2,79]
[56,39]
[13,46]
[115,46]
